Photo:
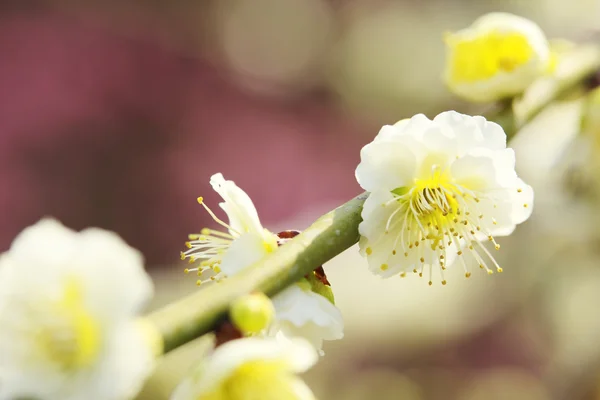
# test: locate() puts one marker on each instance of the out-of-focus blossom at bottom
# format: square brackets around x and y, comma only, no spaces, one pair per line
[251,368]
[68,308]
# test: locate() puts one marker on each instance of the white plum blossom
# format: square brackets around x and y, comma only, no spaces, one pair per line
[251,368]
[297,312]
[301,312]
[69,303]
[498,56]
[438,190]
[244,243]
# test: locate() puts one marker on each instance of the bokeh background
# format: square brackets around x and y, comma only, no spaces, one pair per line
[115,114]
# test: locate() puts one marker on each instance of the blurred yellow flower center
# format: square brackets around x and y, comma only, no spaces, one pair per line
[262,379]
[486,55]
[72,340]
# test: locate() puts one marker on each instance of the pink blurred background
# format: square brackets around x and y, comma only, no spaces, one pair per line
[115,114]
[105,123]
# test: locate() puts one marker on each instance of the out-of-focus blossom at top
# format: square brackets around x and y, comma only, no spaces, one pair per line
[68,308]
[496,57]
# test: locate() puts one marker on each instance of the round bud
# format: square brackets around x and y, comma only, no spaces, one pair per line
[252,313]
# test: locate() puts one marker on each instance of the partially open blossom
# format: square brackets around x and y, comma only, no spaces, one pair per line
[439,190]
[302,312]
[297,312]
[69,303]
[498,56]
[251,368]
[243,243]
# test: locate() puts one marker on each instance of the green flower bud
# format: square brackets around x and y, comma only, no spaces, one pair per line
[319,287]
[252,313]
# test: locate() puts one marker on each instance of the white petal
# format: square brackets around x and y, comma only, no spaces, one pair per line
[240,210]
[128,364]
[245,251]
[522,202]
[114,277]
[385,166]
[475,172]
[375,214]
[300,307]
[438,139]
[296,355]
[472,132]
[47,240]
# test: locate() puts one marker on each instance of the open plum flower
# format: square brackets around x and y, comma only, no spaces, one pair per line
[439,189]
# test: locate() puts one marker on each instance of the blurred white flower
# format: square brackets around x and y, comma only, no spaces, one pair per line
[296,312]
[437,188]
[301,312]
[251,368]
[498,56]
[244,243]
[68,303]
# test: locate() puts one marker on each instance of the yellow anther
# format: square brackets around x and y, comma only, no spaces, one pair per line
[467,274]
[444,282]
[369,251]
[200,200]
[384,267]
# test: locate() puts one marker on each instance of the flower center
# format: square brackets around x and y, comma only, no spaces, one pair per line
[431,200]
[435,217]
[72,338]
[269,378]
[486,55]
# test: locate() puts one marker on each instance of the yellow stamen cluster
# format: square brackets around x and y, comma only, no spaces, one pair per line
[72,339]
[483,56]
[208,248]
[436,216]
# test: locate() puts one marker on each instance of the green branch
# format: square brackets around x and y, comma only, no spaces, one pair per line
[197,314]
